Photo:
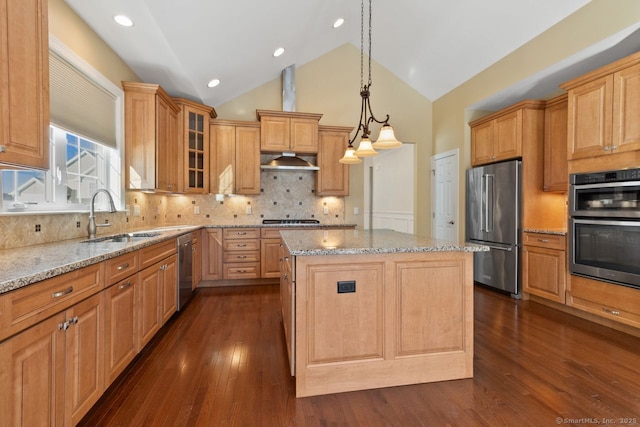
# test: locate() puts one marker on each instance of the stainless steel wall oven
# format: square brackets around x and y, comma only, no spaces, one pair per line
[604,227]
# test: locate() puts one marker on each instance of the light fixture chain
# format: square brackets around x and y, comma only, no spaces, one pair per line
[361,44]
[369,83]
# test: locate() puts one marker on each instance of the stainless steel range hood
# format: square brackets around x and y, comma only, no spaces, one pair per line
[289,161]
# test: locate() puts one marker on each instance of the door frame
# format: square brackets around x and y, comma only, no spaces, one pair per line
[456,197]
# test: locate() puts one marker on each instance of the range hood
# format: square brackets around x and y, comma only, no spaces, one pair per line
[289,161]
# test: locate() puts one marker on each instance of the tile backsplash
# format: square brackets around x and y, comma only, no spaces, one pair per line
[284,194]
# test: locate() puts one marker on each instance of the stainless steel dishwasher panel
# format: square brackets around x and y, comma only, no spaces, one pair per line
[185,270]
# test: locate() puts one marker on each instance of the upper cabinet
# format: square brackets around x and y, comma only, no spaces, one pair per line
[500,136]
[193,133]
[151,139]
[235,157]
[288,131]
[602,117]
[333,177]
[556,176]
[24,83]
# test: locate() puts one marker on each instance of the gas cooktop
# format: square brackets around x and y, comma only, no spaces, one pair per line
[290,221]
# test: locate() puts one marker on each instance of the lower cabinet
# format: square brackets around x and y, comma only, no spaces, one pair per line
[121,326]
[158,297]
[196,272]
[212,254]
[544,262]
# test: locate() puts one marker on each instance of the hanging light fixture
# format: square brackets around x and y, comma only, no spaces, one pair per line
[387,138]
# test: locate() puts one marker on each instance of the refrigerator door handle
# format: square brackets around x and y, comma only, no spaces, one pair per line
[488,203]
[509,249]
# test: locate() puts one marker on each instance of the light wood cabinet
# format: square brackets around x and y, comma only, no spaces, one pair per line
[151,138]
[556,175]
[121,326]
[212,254]
[235,157]
[544,266]
[602,116]
[196,273]
[149,305]
[193,131]
[169,284]
[502,135]
[241,253]
[288,302]
[24,83]
[332,179]
[282,131]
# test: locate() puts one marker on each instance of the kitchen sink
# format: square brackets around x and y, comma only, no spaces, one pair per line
[120,238]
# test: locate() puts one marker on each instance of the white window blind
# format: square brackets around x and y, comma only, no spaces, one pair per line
[80,105]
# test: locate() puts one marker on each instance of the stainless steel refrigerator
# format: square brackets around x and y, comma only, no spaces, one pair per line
[493,212]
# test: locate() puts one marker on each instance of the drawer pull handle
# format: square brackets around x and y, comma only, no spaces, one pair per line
[241,271]
[614,312]
[62,293]
[125,285]
[543,240]
[241,233]
[123,266]
[243,245]
[242,256]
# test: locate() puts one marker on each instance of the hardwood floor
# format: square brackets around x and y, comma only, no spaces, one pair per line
[222,362]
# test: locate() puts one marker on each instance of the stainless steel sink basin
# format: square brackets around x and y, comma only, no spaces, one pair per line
[120,238]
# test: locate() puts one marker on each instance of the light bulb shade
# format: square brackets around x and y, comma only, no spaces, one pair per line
[350,157]
[365,149]
[386,139]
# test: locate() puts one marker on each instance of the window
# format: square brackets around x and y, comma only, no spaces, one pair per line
[84,136]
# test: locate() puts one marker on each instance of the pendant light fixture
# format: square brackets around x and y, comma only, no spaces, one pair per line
[387,138]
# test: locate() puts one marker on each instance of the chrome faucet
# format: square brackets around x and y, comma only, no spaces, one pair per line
[92,227]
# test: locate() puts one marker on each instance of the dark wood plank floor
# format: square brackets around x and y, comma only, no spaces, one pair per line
[222,362]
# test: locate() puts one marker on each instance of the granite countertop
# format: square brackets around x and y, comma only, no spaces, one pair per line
[556,231]
[355,242]
[292,226]
[23,266]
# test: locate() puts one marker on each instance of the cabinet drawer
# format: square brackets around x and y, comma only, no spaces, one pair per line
[270,233]
[29,305]
[241,245]
[120,267]
[157,252]
[241,233]
[605,299]
[241,256]
[551,241]
[249,270]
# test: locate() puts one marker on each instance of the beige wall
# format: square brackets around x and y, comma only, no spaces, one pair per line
[596,21]
[331,85]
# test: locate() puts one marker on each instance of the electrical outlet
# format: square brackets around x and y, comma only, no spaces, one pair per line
[356,210]
[249,210]
[196,210]
[136,210]
[325,210]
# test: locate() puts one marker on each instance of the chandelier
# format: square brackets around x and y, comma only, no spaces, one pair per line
[386,138]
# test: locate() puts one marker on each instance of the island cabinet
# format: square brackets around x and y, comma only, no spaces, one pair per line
[193,134]
[151,139]
[52,371]
[603,130]
[378,318]
[556,175]
[235,157]
[502,135]
[270,244]
[333,177]
[282,131]
[544,265]
[24,83]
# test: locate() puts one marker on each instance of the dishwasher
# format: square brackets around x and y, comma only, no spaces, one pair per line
[185,270]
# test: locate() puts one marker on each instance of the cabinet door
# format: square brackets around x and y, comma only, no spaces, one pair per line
[121,320]
[223,159]
[507,134]
[247,173]
[333,177]
[169,285]
[196,151]
[24,83]
[482,143]
[166,153]
[589,121]
[32,366]
[84,370]
[556,175]
[212,265]
[544,272]
[149,302]
[196,273]
[626,110]
[274,133]
[270,258]
[304,135]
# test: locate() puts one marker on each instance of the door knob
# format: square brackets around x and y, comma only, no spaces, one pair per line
[451,222]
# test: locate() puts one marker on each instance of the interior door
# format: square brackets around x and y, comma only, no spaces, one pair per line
[444,195]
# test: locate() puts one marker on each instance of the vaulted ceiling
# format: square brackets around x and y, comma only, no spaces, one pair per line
[432,45]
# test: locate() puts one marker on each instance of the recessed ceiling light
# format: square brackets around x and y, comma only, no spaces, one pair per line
[213,83]
[338,22]
[279,51]
[123,20]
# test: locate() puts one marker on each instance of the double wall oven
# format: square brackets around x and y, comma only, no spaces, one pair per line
[604,229]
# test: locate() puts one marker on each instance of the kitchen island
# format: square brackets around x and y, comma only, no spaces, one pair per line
[375,308]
